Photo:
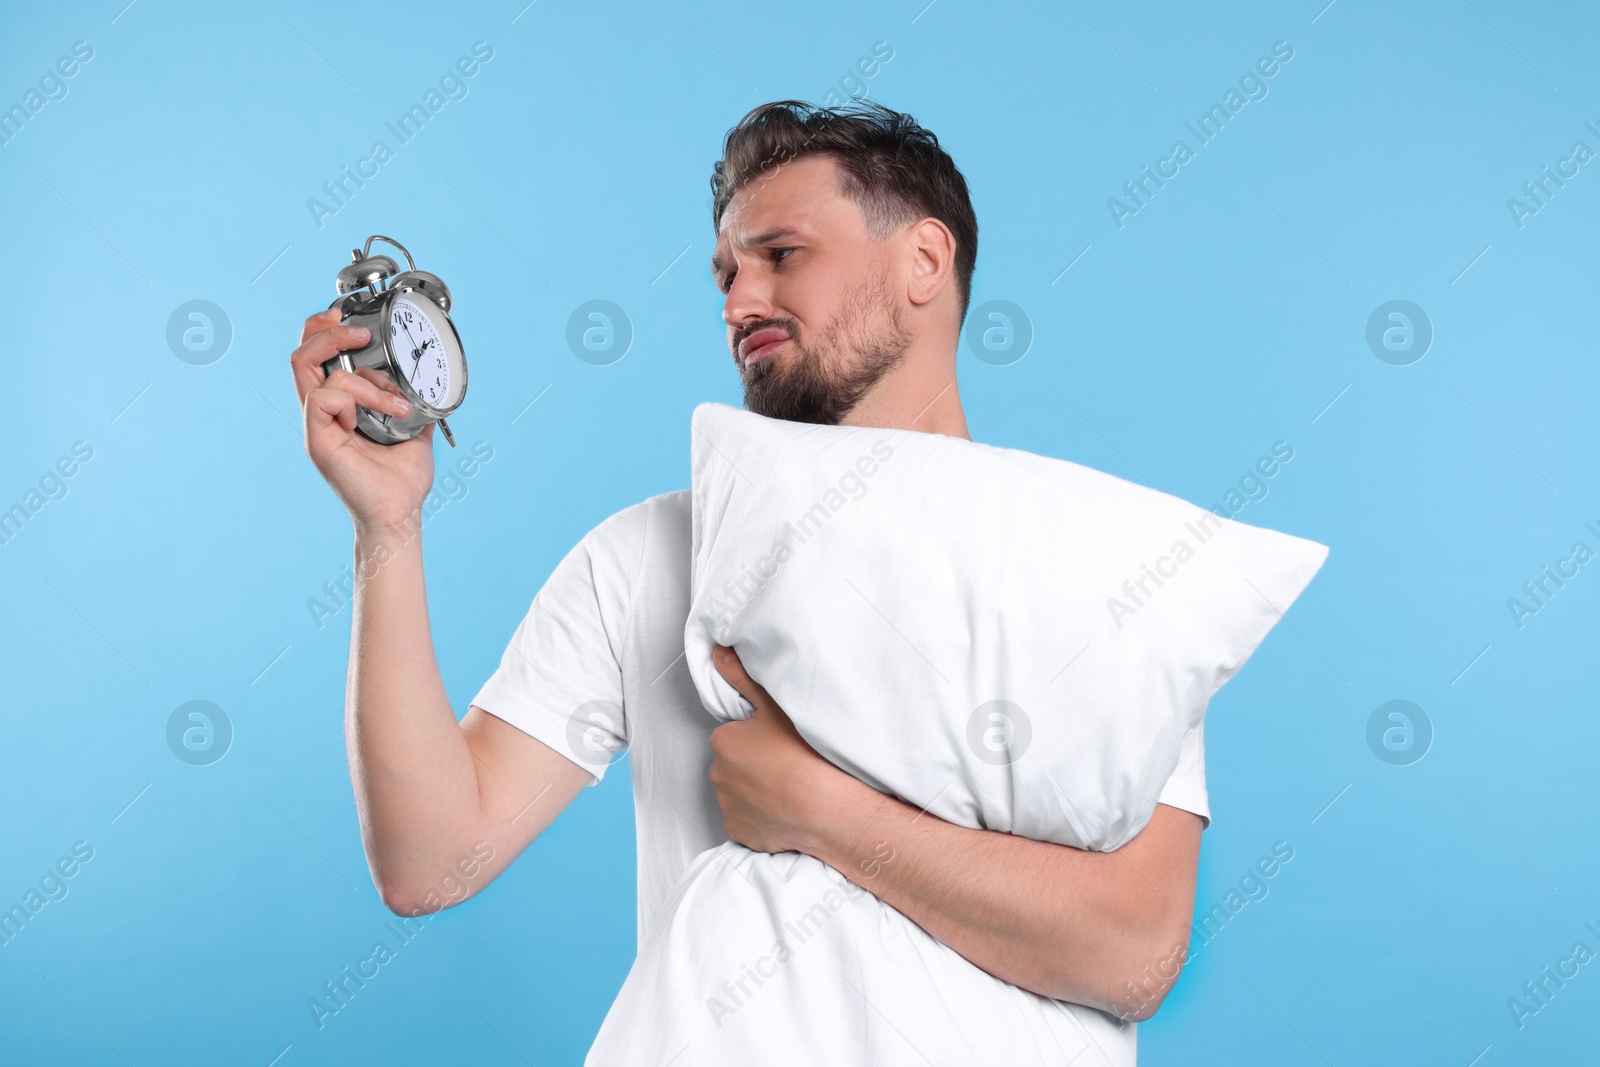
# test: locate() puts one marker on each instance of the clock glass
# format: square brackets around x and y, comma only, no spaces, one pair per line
[419,351]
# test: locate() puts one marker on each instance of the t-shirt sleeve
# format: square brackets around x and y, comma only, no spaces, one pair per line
[560,678]
[1186,788]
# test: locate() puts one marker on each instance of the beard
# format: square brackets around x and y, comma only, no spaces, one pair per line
[822,382]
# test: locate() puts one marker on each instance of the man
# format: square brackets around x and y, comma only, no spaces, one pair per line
[845,248]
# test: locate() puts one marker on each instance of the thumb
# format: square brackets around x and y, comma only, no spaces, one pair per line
[728,664]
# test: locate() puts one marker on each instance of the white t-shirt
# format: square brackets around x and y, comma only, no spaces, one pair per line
[597,665]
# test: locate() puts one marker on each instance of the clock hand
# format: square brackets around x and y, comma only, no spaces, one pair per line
[416,352]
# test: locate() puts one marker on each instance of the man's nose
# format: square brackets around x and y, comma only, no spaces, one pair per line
[748,300]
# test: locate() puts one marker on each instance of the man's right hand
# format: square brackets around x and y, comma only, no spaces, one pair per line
[381,485]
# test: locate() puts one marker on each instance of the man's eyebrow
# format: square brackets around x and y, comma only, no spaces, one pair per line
[776,233]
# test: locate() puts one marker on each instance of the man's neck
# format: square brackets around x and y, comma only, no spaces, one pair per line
[917,395]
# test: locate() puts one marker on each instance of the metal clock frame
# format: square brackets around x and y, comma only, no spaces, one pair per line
[356,280]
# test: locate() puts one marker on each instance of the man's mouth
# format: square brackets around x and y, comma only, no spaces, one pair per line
[760,344]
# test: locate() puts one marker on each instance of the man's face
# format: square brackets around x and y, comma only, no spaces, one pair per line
[813,306]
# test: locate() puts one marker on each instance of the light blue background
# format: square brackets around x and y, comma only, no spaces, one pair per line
[1225,316]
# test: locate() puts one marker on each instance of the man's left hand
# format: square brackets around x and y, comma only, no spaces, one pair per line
[769,782]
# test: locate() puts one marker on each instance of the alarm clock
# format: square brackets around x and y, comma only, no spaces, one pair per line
[413,341]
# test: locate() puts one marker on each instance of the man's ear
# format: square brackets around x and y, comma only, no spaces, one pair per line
[933,255]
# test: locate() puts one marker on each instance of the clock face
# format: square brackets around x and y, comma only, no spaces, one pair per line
[421,353]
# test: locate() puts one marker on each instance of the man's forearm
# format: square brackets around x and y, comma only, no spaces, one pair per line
[1061,922]
[415,784]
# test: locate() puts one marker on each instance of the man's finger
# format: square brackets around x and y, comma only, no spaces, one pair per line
[306,361]
[380,379]
[368,393]
[320,321]
[731,668]
[323,406]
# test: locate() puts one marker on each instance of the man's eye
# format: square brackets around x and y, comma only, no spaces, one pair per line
[780,254]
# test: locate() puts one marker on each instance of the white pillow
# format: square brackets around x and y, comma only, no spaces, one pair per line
[1011,641]
[948,622]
